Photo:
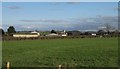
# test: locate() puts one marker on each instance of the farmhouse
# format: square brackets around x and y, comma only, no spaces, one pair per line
[27,35]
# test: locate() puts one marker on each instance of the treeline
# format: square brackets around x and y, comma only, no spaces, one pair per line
[94,33]
[56,37]
[10,31]
[70,34]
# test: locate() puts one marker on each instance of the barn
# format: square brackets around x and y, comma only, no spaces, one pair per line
[27,35]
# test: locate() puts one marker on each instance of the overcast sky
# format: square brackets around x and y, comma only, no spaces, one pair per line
[59,16]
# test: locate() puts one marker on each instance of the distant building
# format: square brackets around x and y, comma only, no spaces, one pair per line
[59,34]
[63,33]
[52,34]
[27,35]
[93,34]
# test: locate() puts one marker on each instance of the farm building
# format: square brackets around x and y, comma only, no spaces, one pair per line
[58,34]
[27,35]
[52,34]
[63,33]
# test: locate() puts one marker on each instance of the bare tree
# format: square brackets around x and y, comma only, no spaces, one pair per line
[109,27]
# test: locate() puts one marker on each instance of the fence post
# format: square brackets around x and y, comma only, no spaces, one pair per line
[8,65]
[59,66]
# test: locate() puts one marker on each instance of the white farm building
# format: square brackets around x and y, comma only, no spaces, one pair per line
[28,35]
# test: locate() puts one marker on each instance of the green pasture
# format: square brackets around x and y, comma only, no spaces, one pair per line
[77,52]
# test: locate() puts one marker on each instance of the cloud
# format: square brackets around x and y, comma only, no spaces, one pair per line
[14,7]
[73,2]
[45,20]
[115,8]
[92,23]
[98,21]
[59,3]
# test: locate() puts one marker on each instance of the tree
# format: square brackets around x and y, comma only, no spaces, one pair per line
[53,31]
[87,33]
[101,32]
[108,27]
[11,30]
[2,32]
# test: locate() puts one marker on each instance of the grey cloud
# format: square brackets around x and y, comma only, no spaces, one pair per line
[72,2]
[14,7]
[117,8]
[72,24]
[94,23]
[45,20]
[99,19]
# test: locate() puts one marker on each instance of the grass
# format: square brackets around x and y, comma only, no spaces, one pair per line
[86,52]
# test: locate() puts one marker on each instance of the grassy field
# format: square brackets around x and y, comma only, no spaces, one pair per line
[78,52]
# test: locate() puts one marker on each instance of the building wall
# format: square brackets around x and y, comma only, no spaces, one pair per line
[64,34]
[27,36]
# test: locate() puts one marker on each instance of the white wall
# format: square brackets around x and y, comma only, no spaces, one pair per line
[23,35]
